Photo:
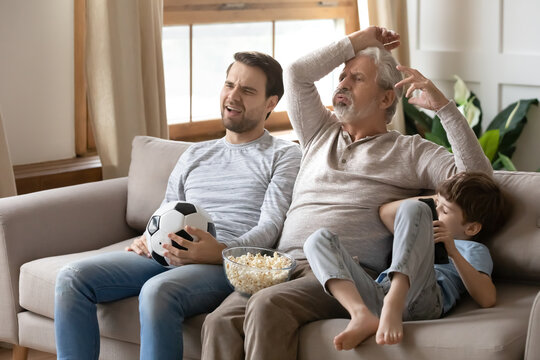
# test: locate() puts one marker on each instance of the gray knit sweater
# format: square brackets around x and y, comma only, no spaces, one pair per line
[246,188]
[342,184]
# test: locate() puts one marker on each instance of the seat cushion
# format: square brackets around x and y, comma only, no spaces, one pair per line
[118,320]
[38,277]
[467,332]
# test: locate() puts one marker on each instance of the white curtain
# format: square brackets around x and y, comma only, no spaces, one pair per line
[124,67]
[7,180]
[392,14]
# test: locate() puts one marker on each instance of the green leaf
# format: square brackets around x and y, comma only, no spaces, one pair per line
[490,143]
[478,127]
[507,163]
[510,123]
[416,121]
[438,131]
[461,92]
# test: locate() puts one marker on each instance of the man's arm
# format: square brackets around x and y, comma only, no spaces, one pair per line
[306,111]
[277,200]
[434,164]
[478,284]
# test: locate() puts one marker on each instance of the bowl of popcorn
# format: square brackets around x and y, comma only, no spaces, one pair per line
[250,269]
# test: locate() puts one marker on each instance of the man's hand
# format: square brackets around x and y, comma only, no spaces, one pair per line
[207,250]
[138,246]
[430,97]
[374,36]
[442,234]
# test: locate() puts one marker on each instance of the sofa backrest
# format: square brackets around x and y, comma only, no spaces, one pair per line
[516,248]
[152,160]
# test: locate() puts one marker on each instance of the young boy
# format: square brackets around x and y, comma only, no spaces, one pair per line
[470,207]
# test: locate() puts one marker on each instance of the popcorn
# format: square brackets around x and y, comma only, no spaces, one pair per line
[263,271]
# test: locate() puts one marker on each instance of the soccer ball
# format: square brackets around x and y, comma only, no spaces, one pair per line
[172,218]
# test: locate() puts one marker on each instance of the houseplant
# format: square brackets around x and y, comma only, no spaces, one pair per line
[499,139]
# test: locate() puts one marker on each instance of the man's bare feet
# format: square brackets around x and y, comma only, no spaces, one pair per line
[390,330]
[363,324]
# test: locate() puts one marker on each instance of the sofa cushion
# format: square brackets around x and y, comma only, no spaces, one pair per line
[516,248]
[38,277]
[468,332]
[152,160]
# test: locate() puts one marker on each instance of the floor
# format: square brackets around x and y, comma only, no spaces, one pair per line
[5,354]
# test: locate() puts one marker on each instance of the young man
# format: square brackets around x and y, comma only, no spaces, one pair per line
[244,181]
[470,207]
[351,165]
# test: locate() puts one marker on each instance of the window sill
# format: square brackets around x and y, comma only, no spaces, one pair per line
[59,173]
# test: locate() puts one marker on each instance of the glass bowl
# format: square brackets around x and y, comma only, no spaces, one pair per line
[250,269]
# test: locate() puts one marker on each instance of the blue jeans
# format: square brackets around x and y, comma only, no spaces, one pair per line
[412,255]
[166,297]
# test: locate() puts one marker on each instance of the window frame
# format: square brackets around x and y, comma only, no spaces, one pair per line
[190,12]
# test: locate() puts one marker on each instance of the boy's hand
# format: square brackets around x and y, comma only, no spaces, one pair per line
[442,234]
[206,250]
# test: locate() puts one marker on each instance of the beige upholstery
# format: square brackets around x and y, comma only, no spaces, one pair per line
[41,232]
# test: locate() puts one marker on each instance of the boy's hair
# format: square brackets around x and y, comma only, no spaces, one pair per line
[480,199]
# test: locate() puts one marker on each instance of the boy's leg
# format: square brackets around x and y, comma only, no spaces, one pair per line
[414,293]
[347,281]
[81,285]
[363,322]
[169,298]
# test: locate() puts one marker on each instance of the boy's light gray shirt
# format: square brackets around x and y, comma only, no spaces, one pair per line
[246,188]
[342,184]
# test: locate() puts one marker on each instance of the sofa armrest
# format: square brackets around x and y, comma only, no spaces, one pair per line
[532,347]
[55,222]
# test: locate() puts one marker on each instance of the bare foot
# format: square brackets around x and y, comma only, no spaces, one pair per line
[362,325]
[390,329]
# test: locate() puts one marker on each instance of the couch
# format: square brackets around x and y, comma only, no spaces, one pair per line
[41,232]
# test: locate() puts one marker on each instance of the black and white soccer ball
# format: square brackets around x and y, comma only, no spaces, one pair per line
[172,217]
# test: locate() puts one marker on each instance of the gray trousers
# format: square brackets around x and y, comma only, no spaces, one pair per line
[412,255]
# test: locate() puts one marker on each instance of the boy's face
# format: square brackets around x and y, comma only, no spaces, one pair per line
[452,216]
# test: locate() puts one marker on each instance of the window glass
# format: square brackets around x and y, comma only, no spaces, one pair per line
[297,38]
[213,49]
[176,69]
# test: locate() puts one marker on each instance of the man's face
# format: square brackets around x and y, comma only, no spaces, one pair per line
[357,96]
[243,98]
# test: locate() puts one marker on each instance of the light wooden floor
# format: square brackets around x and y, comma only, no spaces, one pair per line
[5,354]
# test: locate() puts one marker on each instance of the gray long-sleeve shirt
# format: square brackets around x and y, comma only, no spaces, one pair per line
[341,184]
[246,188]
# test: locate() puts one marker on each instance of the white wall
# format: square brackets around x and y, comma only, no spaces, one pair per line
[36,79]
[493,45]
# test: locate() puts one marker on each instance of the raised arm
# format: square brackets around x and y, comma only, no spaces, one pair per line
[306,111]
[434,164]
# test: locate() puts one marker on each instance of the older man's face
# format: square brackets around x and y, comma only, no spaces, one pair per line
[358,96]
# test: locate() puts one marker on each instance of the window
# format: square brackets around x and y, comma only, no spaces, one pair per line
[200,38]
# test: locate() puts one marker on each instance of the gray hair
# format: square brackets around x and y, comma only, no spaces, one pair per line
[387,74]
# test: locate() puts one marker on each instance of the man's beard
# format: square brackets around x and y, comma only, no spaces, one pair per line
[345,112]
[243,125]
[350,113]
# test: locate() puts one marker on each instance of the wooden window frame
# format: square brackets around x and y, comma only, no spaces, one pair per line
[189,12]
